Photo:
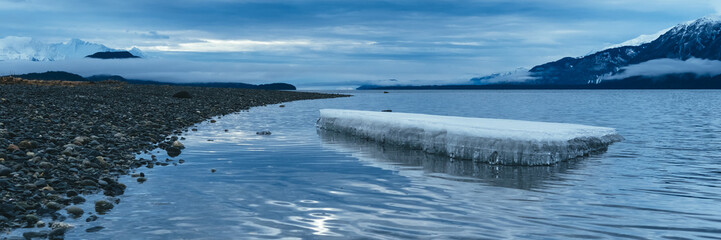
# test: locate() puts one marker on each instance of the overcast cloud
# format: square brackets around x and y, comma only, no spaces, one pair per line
[339,43]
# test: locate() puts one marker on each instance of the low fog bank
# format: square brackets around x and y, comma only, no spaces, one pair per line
[305,75]
[666,66]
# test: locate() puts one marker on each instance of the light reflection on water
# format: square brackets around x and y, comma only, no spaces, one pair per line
[662,182]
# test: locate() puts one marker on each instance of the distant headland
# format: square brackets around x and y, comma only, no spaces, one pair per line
[66,76]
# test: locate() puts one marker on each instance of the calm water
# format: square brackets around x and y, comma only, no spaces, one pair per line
[663,181]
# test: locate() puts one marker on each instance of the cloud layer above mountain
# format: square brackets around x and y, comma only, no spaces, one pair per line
[351,41]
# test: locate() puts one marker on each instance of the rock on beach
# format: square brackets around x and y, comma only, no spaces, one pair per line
[182,94]
[5,171]
[103,206]
[75,211]
[78,139]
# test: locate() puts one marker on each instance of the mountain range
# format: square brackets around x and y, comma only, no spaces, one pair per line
[685,56]
[25,48]
[697,39]
[66,76]
[28,49]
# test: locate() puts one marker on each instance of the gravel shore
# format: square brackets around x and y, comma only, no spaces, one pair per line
[60,142]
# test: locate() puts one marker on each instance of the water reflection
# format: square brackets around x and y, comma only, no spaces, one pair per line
[403,159]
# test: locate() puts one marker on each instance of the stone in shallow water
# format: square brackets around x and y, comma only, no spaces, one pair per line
[92,218]
[74,211]
[94,229]
[60,225]
[173,151]
[103,206]
[40,234]
[177,144]
[57,233]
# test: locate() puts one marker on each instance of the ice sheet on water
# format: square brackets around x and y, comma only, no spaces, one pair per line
[496,141]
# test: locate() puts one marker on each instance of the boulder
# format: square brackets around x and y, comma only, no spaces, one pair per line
[74,211]
[178,144]
[26,144]
[172,151]
[5,171]
[182,94]
[103,206]
[12,148]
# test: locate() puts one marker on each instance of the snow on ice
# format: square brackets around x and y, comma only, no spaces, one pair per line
[496,141]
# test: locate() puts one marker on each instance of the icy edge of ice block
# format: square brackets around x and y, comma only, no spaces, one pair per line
[495,141]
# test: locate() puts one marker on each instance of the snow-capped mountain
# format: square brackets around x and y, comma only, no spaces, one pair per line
[696,39]
[136,52]
[25,48]
[640,40]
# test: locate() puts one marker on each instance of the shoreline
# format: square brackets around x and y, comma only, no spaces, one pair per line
[58,143]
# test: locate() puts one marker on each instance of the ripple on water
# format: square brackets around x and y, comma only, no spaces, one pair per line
[662,182]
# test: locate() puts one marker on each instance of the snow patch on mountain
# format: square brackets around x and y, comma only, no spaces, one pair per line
[647,38]
[640,40]
[711,19]
[26,48]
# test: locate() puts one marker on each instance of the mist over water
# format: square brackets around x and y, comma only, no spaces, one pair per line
[661,182]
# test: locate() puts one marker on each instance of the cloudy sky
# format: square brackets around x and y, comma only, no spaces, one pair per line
[338,44]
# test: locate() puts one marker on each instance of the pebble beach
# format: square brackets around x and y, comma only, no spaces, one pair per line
[59,142]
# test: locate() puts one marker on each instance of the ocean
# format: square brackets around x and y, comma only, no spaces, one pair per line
[663,181]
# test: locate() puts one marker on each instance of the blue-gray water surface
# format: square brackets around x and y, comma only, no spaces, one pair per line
[661,182]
